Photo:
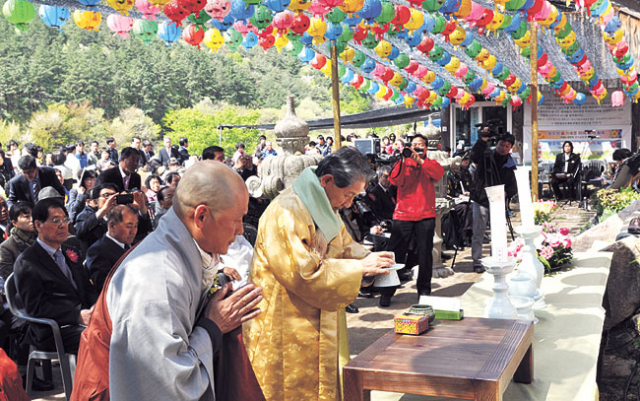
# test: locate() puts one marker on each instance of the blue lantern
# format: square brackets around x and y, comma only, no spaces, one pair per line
[414,40]
[53,16]
[224,25]
[353,20]
[477,83]
[445,102]
[333,31]
[467,39]
[368,66]
[399,99]
[374,88]
[430,23]
[370,10]
[347,77]
[497,69]
[250,40]
[169,32]
[394,53]
[516,21]
[306,55]
[575,57]
[277,5]
[437,83]
[240,11]
[495,93]
[613,25]
[445,59]
[411,87]
[89,3]
[450,7]
[580,99]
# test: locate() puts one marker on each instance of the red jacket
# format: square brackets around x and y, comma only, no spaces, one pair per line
[416,190]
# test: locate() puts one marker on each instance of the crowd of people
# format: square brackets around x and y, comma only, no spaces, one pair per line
[171,280]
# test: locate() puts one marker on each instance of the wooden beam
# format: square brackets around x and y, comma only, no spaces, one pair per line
[336,95]
[533,65]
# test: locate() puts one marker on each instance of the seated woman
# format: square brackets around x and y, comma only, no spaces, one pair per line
[565,170]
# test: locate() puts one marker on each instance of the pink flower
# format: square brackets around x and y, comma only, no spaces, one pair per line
[546,252]
[73,256]
[564,231]
[566,242]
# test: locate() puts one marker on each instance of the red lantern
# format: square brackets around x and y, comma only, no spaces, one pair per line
[357,81]
[388,95]
[543,60]
[535,8]
[453,92]
[192,6]
[318,61]
[425,45]
[403,15]
[268,31]
[300,24]
[359,34]
[425,95]
[267,42]
[380,30]
[510,80]
[388,74]
[412,67]
[418,92]
[449,28]
[486,18]
[583,60]
[175,12]
[193,35]
[330,4]
[621,48]
[471,101]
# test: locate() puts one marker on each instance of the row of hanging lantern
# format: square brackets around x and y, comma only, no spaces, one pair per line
[301,23]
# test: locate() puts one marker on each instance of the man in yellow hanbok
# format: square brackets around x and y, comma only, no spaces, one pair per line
[310,269]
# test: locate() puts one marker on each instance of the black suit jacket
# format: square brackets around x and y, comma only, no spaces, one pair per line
[19,186]
[382,203]
[574,164]
[46,292]
[89,229]
[101,257]
[113,155]
[164,156]
[113,176]
[184,154]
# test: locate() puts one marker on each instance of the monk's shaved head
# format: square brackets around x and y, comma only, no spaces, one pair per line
[208,183]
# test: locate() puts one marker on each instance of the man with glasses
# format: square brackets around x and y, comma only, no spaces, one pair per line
[25,187]
[414,218]
[51,281]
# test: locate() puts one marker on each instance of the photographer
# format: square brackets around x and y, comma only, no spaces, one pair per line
[565,169]
[494,167]
[415,212]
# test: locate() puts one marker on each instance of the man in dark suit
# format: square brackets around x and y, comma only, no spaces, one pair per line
[382,197]
[124,176]
[101,256]
[182,150]
[25,187]
[167,152]
[51,281]
[565,170]
[113,152]
[147,152]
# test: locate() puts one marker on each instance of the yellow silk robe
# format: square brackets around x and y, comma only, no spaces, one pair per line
[293,343]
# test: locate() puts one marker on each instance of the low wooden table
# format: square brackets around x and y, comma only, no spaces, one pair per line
[474,358]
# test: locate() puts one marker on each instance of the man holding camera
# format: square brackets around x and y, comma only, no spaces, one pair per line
[414,217]
[494,167]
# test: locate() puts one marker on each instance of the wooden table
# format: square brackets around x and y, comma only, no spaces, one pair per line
[474,358]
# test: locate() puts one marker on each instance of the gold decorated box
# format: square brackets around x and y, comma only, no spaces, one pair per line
[409,323]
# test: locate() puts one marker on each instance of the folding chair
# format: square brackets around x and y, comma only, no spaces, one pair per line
[67,361]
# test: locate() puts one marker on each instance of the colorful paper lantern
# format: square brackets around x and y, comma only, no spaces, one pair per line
[145,30]
[169,32]
[121,6]
[217,9]
[147,8]
[53,16]
[87,20]
[19,13]
[120,24]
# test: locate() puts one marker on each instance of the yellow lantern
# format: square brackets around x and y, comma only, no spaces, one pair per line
[317,27]
[383,49]
[483,55]
[465,98]
[496,22]
[501,96]
[613,39]
[484,84]
[326,69]
[524,41]
[453,65]
[299,6]
[489,63]
[350,6]
[122,7]
[381,91]
[565,90]
[562,23]
[458,36]
[416,20]
[430,77]
[464,10]
[87,20]
[213,39]
[348,54]
[281,41]
[515,86]
[587,75]
[567,41]
[159,3]
[432,97]
[396,80]
[551,18]
[408,101]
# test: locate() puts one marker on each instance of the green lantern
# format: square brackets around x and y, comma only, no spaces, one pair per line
[262,17]
[571,49]
[402,61]
[504,74]
[340,46]
[506,22]
[564,32]
[469,77]
[358,59]
[394,96]
[366,85]
[233,39]
[403,84]
[19,13]
[145,30]
[370,41]
[200,20]
[341,70]
[437,103]
[526,51]
[473,49]
[435,54]
[335,16]
[440,24]
[446,87]
[514,5]
[347,33]
[521,31]
[387,14]
[432,5]
[525,94]
[296,47]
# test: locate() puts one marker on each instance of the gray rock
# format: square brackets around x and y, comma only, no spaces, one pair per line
[622,296]
[608,230]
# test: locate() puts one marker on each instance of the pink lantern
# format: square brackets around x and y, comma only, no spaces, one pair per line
[488,89]
[462,71]
[544,12]
[516,101]
[617,99]
[148,9]
[318,9]
[331,4]
[621,48]
[476,12]
[544,70]
[379,71]
[218,9]
[418,92]
[459,95]
[282,21]
[629,80]
[412,67]
[421,72]
[608,16]
[584,67]
[241,27]
[120,24]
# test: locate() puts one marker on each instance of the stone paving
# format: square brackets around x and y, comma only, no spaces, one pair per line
[372,321]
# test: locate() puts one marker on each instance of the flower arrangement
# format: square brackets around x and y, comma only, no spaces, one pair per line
[610,201]
[554,251]
[542,211]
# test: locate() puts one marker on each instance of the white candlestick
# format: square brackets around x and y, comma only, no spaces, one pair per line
[524,195]
[498,219]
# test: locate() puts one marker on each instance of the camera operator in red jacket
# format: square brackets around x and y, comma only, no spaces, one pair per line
[414,218]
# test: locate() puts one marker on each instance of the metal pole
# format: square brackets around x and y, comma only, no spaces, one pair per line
[534,109]
[336,94]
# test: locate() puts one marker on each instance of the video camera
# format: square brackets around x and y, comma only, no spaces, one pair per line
[495,130]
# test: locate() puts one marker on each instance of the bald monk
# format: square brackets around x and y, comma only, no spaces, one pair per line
[154,333]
